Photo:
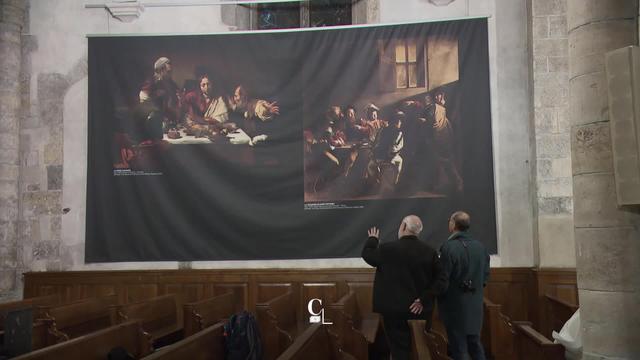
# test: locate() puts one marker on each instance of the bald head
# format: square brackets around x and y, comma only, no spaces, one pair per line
[411,225]
[460,220]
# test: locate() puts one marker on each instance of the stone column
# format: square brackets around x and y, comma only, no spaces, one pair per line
[552,133]
[607,236]
[12,19]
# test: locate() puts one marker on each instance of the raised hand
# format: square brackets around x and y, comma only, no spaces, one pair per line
[374,232]
[273,108]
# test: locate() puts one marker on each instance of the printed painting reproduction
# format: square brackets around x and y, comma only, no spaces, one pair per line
[286,144]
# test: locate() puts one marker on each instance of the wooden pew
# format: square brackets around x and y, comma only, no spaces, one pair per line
[159,317]
[426,345]
[35,303]
[419,348]
[356,331]
[315,343]
[205,345]
[507,339]
[97,345]
[531,345]
[39,338]
[79,318]
[202,314]
[559,312]
[279,324]
[498,335]
[13,346]
[39,335]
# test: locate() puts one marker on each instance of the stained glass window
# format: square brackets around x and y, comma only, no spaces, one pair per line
[312,13]
[329,12]
[279,15]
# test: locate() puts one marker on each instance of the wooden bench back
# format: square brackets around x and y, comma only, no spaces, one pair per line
[315,343]
[39,335]
[509,339]
[437,345]
[490,314]
[559,311]
[531,345]
[349,305]
[156,314]
[35,303]
[284,309]
[97,345]
[419,347]
[427,344]
[341,315]
[275,317]
[346,317]
[498,332]
[202,314]
[39,331]
[72,320]
[205,345]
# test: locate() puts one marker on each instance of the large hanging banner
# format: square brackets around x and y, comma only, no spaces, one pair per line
[286,144]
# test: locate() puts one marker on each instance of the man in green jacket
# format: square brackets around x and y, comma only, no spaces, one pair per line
[466,263]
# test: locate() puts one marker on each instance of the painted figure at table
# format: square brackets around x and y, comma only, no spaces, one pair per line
[205,105]
[254,116]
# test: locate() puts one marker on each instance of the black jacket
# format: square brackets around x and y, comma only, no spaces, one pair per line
[406,269]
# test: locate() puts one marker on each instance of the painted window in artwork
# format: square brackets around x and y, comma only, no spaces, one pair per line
[406,64]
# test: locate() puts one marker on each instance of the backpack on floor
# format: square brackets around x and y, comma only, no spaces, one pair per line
[242,338]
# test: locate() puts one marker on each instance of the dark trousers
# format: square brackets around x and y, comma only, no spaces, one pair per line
[399,336]
[464,346]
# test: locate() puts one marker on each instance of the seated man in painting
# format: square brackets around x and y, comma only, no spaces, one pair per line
[204,106]
[355,130]
[373,122]
[252,115]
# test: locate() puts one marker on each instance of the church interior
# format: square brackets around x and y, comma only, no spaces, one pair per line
[135,228]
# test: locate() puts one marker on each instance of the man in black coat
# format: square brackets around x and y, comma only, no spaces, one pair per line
[466,263]
[408,276]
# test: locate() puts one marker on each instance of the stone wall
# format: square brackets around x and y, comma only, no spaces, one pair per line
[12,24]
[550,70]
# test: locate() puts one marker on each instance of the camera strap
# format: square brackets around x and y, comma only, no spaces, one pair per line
[466,250]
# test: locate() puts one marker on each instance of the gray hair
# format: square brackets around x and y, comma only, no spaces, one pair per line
[413,223]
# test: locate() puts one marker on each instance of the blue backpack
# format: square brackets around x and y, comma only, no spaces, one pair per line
[242,338]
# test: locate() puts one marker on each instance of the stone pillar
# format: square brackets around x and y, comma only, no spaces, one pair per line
[607,236]
[552,133]
[12,20]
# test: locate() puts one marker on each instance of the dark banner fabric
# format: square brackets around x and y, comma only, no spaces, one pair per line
[286,144]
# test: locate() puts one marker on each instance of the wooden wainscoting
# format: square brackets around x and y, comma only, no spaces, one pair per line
[250,286]
[509,287]
[520,291]
[558,283]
